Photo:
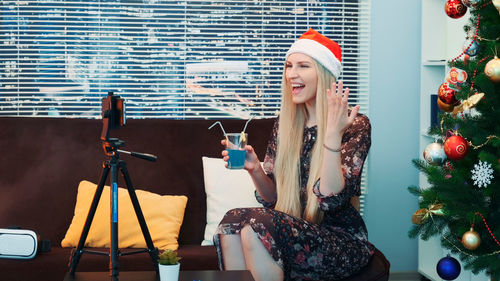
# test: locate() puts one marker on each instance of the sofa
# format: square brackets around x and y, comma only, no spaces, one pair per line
[44,159]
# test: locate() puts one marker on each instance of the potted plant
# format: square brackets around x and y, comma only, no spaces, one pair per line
[168,263]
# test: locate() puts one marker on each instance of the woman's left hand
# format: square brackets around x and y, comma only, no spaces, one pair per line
[339,118]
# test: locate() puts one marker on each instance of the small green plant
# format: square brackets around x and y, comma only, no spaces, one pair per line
[168,257]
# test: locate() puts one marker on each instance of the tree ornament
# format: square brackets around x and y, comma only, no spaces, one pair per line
[471,239]
[445,107]
[418,216]
[448,268]
[456,147]
[473,47]
[455,9]
[421,215]
[467,104]
[434,154]
[471,3]
[492,69]
[446,94]
[482,174]
[496,3]
[455,78]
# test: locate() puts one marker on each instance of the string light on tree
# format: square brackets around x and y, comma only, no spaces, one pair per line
[482,174]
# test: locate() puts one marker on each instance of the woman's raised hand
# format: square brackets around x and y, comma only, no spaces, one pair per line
[339,118]
[251,159]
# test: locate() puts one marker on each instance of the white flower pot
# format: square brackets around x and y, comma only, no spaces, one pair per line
[169,272]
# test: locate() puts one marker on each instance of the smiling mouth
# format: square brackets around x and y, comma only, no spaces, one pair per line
[297,88]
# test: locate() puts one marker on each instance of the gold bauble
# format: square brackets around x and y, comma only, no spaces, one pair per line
[444,106]
[471,239]
[496,3]
[492,69]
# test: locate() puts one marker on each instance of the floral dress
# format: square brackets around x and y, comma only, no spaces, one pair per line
[334,249]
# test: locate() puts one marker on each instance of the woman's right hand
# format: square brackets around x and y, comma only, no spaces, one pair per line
[251,160]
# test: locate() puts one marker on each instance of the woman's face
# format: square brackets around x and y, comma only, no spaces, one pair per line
[302,77]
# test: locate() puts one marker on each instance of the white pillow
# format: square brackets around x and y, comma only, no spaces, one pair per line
[226,189]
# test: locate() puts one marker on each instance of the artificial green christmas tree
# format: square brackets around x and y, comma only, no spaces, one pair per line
[462,203]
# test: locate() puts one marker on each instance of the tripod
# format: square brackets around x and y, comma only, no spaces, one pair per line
[111,146]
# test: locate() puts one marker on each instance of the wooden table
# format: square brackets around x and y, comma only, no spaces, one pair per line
[203,275]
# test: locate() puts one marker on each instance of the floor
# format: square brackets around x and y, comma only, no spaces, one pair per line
[407,276]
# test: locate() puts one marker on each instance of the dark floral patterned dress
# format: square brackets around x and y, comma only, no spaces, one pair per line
[334,249]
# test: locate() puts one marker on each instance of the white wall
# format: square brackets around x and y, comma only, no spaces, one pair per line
[394,111]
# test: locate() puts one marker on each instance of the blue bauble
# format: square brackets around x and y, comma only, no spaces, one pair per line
[448,268]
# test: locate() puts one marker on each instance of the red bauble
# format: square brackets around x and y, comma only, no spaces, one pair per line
[455,9]
[456,147]
[447,94]
[444,106]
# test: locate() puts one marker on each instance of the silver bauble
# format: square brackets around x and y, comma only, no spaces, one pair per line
[434,154]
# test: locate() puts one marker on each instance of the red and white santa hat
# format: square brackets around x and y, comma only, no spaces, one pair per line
[321,48]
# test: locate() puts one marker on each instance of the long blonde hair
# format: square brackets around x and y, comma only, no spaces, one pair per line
[293,118]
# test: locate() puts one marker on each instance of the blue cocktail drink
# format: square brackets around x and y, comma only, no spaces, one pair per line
[236,158]
[235,146]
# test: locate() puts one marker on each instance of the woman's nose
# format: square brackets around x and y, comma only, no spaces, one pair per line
[291,73]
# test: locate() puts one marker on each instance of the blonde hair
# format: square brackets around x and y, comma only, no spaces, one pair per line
[292,121]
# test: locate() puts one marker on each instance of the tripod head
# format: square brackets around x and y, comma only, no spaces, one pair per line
[113,117]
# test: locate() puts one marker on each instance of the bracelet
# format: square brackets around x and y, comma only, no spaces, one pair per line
[332,150]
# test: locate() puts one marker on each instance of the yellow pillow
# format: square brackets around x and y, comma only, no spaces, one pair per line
[163,214]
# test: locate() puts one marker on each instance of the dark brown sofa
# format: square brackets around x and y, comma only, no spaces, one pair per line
[44,159]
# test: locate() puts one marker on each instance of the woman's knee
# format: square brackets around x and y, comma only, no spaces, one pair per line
[248,237]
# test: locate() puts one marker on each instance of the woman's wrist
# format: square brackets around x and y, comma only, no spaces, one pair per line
[255,169]
[332,149]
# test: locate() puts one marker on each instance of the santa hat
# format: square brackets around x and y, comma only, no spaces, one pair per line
[321,48]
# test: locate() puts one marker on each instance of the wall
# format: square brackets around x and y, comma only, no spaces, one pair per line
[394,113]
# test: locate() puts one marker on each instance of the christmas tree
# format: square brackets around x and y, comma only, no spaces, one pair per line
[461,205]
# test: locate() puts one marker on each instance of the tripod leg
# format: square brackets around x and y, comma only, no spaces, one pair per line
[153,252]
[75,258]
[113,266]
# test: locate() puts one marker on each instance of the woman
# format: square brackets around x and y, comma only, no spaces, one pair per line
[308,229]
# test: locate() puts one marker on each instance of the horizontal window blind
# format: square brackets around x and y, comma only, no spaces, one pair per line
[168,59]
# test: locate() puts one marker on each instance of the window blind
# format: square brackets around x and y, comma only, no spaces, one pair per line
[168,59]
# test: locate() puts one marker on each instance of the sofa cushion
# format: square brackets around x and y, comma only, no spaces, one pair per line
[226,189]
[163,216]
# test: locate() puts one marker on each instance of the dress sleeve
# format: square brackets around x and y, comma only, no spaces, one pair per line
[269,162]
[356,142]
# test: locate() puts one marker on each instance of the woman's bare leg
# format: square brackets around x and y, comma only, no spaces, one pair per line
[232,252]
[260,263]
